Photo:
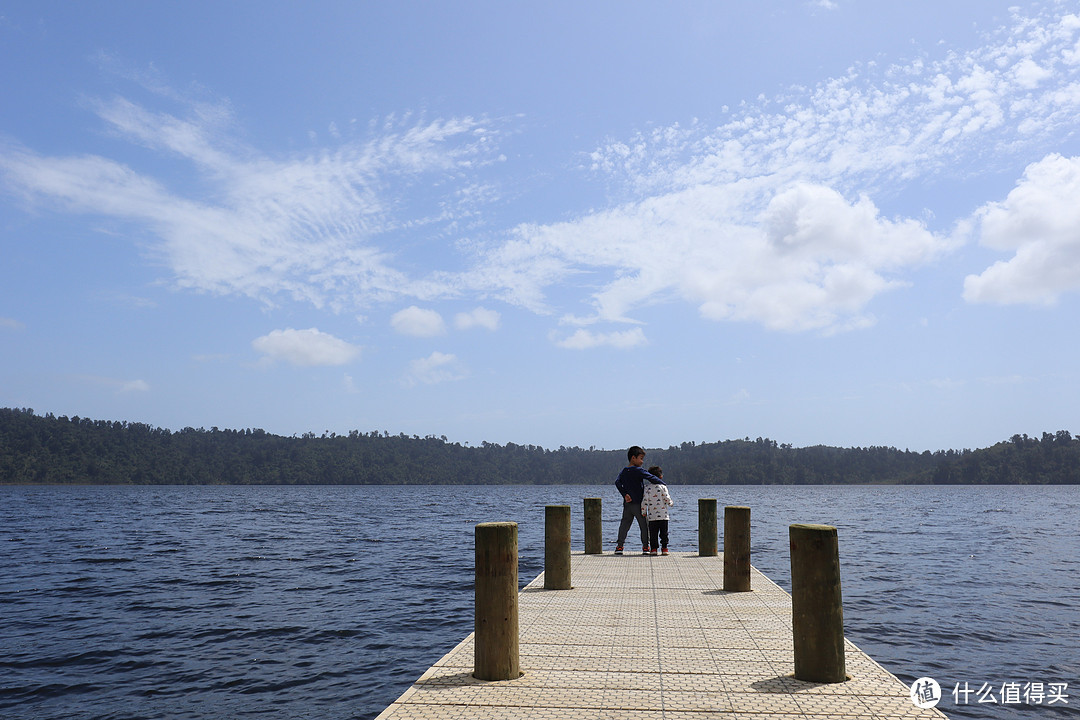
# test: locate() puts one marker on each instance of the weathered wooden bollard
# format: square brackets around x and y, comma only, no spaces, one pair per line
[495,655]
[594,534]
[557,547]
[816,605]
[737,548]
[706,527]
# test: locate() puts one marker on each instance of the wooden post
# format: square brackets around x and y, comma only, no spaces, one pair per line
[594,534]
[706,527]
[557,547]
[816,604]
[495,656]
[736,548]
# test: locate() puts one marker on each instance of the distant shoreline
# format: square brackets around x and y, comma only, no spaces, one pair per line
[49,450]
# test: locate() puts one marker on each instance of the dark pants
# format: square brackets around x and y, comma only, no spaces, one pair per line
[631,510]
[658,531]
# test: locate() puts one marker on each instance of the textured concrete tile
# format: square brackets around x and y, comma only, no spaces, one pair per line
[639,637]
[775,703]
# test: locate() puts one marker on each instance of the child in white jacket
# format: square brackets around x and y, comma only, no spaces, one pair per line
[654,506]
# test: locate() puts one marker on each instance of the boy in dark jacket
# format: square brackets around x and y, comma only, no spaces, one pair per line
[631,485]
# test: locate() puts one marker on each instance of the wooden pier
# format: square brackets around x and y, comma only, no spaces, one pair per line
[643,637]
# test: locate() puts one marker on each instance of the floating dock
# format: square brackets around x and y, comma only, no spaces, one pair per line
[647,637]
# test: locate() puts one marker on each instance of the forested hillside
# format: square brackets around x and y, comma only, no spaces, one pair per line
[47,449]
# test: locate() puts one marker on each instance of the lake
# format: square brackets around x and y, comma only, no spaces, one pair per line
[328,602]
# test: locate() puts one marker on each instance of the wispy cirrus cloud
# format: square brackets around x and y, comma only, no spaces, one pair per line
[770,217]
[878,124]
[306,227]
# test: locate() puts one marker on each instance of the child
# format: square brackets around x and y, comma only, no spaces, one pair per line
[629,483]
[654,507]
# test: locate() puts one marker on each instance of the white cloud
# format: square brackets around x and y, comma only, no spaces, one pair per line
[583,339]
[350,384]
[418,322]
[10,323]
[769,217]
[808,260]
[1029,74]
[306,347]
[120,386]
[1039,221]
[479,317]
[305,227]
[875,125]
[435,368]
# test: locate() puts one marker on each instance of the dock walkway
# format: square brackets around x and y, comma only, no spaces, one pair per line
[653,637]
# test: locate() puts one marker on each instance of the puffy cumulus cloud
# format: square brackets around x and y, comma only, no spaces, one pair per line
[583,339]
[824,259]
[477,318]
[418,322]
[306,347]
[810,259]
[813,222]
[435,368]
[1028,74]
[770,218]
[1039,222]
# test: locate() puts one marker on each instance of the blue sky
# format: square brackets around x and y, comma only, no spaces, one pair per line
[593,224]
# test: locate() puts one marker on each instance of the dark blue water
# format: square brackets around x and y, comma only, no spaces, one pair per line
[328,602]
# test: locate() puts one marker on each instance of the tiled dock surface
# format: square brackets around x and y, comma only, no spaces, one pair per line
[653,637]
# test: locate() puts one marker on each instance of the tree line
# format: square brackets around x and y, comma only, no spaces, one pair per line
[45,449]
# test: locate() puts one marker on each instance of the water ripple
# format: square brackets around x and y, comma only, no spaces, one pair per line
[211,602]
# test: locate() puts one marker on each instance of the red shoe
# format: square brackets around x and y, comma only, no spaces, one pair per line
[645,550]
[663,551]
